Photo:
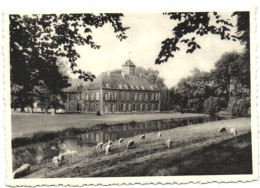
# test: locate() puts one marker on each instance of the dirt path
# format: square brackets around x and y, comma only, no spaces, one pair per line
[198,149]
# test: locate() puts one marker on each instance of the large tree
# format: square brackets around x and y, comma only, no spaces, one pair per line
[37,41]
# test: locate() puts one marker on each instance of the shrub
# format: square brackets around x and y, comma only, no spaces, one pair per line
[212,105]
[239,107]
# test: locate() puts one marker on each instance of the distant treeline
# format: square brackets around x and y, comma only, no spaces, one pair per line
[225,88]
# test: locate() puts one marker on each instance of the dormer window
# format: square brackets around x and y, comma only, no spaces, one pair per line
[132,87]
[137,87]
[142,87]
[107,85]
[125,86]
[151,87]
[120,86]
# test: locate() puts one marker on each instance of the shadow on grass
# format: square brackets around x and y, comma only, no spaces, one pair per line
[232,156]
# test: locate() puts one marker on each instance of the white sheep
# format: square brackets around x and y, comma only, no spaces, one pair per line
[159,135]
[169,143]
[120,140]
[22,171]
[53,147]
[108,149]
[222,130]
[39,159]
[56,161]
[104,147]
[142,137]
[233,132]
[99,145]
[130,144]
[109,142]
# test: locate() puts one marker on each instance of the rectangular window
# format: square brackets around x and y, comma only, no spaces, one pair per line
[138,107]
[152,97]
[134,107]
[97,95]
[151,107]
[121,107]
[124,107]
[156,107]
[86,96]
[113,96]
[97,107]
[91,107]
[143,107]
[106,96]
[92,95]
[127,107]
[86,107]
[144,96]
[157,97]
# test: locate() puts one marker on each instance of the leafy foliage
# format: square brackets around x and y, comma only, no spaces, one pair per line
[37,42]
[200,24]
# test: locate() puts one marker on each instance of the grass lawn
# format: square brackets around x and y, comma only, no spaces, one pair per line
[197,150]
[24,123]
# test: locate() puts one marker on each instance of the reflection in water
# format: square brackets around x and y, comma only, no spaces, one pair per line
[38,154]
[115,132]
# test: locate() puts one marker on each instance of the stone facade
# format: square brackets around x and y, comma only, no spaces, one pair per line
[114,93]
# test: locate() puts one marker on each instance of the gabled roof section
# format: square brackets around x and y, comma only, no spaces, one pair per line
[96,84]
[127,81]
[113,81]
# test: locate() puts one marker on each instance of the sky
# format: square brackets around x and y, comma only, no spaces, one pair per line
[143,45]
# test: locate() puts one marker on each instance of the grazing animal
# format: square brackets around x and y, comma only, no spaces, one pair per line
[222,130]
[22,171]
[39,159]
[53,147]
[109,142]
[233,132]
[104,147]
[159,135]
[56,161]
[142,137]
[99,145]
[120,140]
[108,149]
[130,144]
[169,143]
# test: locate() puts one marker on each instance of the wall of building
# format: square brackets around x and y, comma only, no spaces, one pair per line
[127,101]
[113,101]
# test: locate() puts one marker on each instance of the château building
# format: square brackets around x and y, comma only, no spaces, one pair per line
[113,93]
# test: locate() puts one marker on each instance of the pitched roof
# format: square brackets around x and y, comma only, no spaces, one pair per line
[113,81]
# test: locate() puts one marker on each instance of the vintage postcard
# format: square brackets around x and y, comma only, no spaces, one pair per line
[130,97]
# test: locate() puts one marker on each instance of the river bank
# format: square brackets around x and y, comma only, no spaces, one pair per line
[197,149]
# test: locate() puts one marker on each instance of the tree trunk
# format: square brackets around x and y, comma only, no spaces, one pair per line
[46,108]
[55,110]
[22,107]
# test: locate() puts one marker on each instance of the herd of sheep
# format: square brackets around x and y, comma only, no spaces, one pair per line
[107,147]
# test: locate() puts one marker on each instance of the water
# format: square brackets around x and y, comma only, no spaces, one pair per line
[115,132]
[41,153]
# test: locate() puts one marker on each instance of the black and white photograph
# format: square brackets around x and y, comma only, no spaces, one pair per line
[131,94]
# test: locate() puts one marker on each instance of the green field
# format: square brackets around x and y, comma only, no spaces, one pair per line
[197,150]
[26,123]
